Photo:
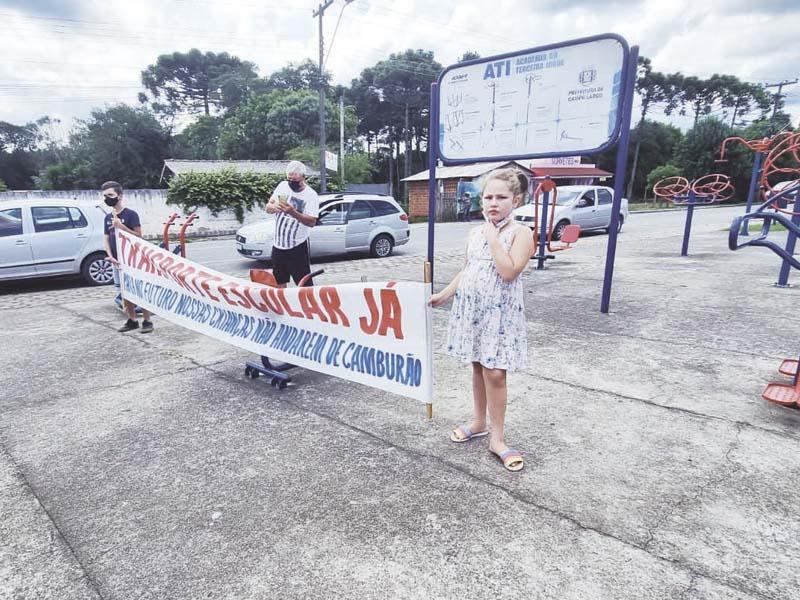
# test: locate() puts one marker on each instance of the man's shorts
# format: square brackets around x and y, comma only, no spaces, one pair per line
[294,263]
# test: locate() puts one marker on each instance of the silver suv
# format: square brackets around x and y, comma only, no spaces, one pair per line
[43,238]
[349,222]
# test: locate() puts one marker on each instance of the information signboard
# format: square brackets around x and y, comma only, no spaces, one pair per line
[561,99]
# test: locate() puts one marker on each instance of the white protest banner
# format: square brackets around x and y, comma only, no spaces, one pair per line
[373,333]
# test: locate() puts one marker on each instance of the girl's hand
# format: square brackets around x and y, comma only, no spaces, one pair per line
[437,299]
[490,232]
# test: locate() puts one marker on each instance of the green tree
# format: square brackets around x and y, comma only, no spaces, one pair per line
[741,97]
[469,55]
[122,143]
[399,88]
[268,125]
[199,140]
[697,153]
[657,143]
[195,81]
[68,174]
[652,88]
[24,150]
[300,76]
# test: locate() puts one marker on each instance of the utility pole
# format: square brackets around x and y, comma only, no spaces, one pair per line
[777,97]
[323,179]
[341,138]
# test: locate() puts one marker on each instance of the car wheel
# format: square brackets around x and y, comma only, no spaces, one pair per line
[97,270]
[558,230]
[381,246]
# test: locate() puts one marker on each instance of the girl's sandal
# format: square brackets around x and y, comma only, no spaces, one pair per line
[511,459]
[463,434]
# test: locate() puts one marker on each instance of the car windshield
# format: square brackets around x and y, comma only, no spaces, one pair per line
[565,198]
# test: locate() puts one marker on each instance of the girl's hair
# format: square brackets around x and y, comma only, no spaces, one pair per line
[516,180]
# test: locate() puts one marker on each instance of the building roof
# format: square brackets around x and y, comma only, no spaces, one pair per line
[472,170]
[569,172]
[178,166]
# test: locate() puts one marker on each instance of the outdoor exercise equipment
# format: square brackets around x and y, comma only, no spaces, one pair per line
[762,170]
[704,190]
[785,394]
[274,369]
[180,248]
[774,211]
[543,227]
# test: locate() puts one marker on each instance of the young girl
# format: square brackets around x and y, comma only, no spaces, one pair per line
[487,321]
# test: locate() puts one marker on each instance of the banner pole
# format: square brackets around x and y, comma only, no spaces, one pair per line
[428,275]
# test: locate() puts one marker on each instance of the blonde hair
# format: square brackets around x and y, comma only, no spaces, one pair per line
[516,180]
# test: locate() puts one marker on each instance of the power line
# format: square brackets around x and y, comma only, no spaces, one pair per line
[777,96]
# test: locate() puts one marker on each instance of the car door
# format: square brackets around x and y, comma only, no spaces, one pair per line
[603,207]
[59,236]
[585,212]
[16,256]
[360,222]
[327,236]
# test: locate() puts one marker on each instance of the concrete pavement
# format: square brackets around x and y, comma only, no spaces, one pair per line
[139,466]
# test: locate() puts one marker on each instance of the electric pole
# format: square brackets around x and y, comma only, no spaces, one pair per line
[322,141]
[341,138]
[323,178]
[777,97]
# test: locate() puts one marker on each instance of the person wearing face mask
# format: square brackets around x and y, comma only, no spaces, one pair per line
[296,207]
[125,219]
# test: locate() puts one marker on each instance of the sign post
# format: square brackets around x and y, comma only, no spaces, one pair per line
[562,100]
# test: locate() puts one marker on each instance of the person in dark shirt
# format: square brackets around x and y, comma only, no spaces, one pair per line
[125,219]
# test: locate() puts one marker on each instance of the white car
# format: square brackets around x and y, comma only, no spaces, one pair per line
[586,205]
[44,238]
[347,223]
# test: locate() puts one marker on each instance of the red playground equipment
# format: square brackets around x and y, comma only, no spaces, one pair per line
[181,247]
[782,393]
[704,190]
[569,235]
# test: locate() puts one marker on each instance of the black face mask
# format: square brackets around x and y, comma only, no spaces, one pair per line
[111,201]
[296,185]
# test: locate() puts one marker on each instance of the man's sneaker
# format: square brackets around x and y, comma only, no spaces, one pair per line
[130,325]
[147,326]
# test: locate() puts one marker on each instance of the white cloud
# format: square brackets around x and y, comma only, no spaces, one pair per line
[62,59]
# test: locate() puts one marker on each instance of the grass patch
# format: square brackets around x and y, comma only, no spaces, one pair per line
[756,227]
[651,206]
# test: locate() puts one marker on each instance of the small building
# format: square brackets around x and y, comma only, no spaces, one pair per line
[447,180]
[176,166]
[565,170]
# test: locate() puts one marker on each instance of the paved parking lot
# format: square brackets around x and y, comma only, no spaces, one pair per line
[149,467]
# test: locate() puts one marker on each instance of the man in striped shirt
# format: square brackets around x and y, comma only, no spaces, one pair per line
[296,207]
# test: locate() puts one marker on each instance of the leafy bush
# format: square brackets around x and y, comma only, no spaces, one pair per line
[660,173]
[225,190]
[3,186]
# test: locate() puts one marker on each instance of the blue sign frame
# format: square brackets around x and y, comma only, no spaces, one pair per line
[620,137]
[622,85]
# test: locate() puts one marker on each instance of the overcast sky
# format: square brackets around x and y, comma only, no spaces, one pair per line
[63,58]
